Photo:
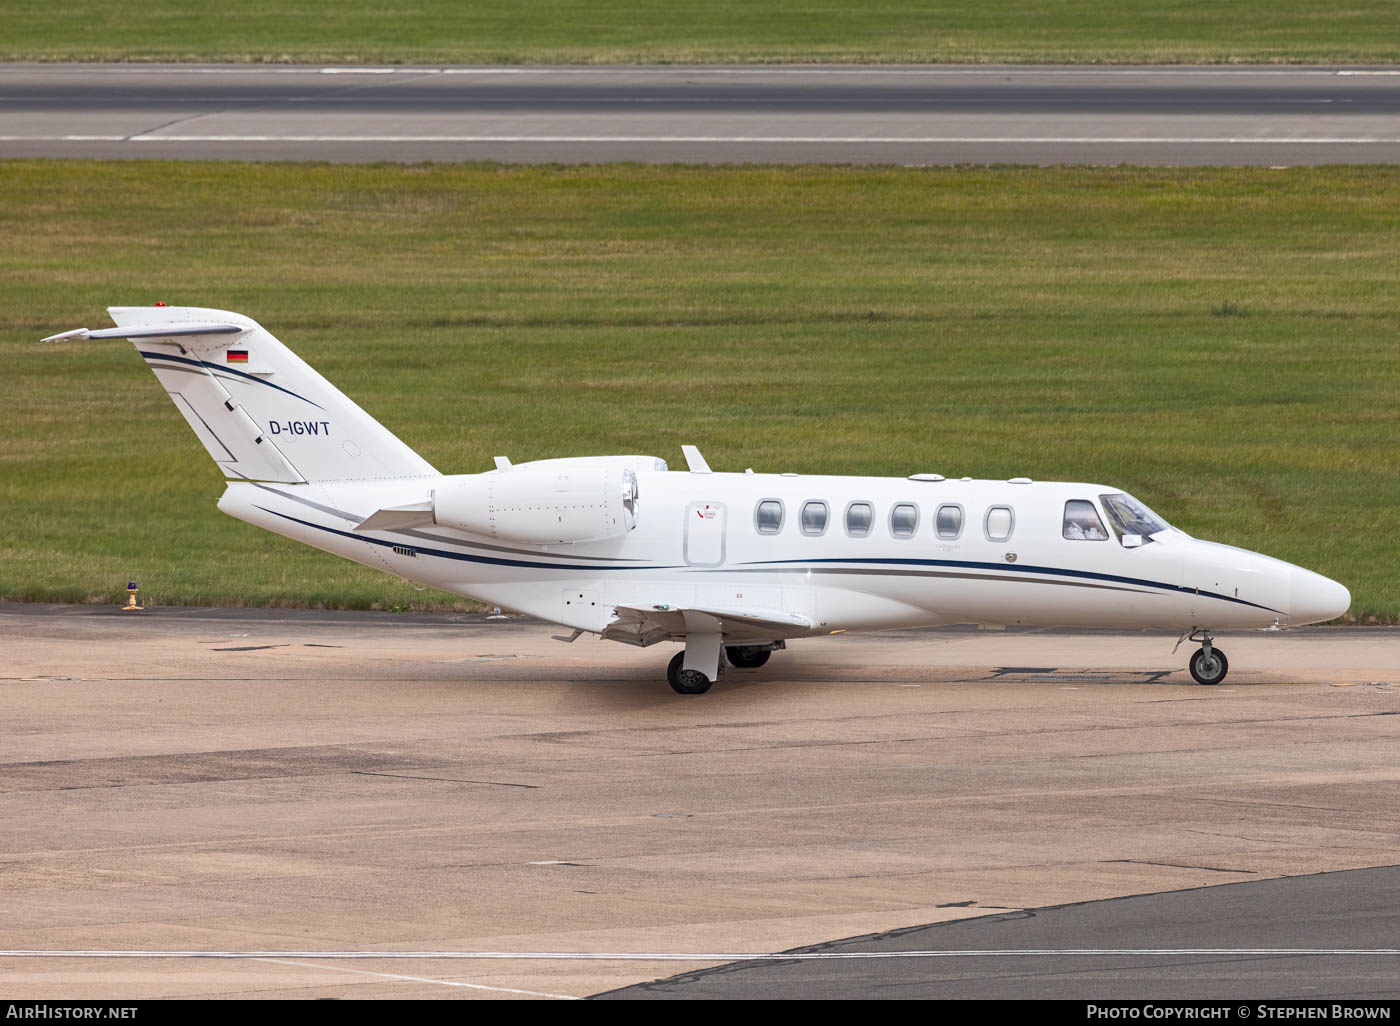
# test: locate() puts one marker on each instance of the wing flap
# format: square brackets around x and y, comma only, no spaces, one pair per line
[646,625]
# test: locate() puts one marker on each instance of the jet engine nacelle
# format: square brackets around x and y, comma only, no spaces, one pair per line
[543,505]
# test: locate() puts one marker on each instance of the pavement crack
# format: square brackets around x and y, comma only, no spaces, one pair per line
[1243,801]
[1182,865]
[453,780]
[1254,840]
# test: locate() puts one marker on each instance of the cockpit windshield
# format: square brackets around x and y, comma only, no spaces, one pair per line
[1128,516]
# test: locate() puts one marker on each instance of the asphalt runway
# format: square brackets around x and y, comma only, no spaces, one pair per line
[1262,115]
[303,804]
[1229,942]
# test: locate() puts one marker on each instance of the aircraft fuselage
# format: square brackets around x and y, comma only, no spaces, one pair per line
[697,543]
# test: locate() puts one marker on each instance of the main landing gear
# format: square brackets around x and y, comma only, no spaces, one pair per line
[1208,665]
[695,681]
[748,657]
[683,681]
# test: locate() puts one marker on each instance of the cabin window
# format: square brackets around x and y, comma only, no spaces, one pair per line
[813,519]
[948,522]
[1082,522]
[904,519]
[1000,522]
[859,517]
[768,516]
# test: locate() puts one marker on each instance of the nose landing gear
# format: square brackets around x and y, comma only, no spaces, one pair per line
[1208,665]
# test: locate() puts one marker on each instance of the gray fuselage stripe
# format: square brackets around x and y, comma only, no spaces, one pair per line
[938,573]
[409,532]
[162,367]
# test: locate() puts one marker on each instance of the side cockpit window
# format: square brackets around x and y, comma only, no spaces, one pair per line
[1082,522]
[1130,519]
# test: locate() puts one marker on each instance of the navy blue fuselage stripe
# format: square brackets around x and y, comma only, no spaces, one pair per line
[1056,571]
[227,370]
[443,553]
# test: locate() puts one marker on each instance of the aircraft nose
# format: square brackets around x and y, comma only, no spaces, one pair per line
[1316,598]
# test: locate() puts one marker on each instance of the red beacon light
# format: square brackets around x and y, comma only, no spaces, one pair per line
[160,302]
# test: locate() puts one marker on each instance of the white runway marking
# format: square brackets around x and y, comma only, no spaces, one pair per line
[424,979]
[735,69]
[709,956]
[1085,140]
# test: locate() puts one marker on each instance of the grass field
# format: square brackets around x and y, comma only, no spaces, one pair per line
[1222,343]
[669,31]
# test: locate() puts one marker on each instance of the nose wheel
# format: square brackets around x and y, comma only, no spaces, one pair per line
[1208,665]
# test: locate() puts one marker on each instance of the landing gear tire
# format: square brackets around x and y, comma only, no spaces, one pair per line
[686,682]
[747,657]
[1209,667]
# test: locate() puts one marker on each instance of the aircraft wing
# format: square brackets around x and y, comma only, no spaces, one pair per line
[646,625]
[396,518]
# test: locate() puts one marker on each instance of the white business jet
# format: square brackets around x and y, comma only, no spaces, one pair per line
[731,565]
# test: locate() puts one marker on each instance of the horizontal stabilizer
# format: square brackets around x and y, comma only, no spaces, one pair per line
[177,330]
[396,518]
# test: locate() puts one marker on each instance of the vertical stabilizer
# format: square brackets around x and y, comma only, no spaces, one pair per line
[260,410]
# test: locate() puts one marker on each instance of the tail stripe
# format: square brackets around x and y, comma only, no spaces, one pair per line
[216,368]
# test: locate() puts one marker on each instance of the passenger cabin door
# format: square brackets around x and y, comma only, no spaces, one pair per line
[704,534]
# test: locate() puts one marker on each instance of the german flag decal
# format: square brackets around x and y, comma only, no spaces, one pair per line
[236,355]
